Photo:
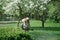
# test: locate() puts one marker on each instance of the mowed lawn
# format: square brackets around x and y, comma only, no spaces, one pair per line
[50,32]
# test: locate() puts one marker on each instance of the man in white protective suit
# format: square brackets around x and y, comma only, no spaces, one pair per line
[25,23]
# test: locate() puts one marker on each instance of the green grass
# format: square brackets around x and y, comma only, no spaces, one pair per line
[50,32]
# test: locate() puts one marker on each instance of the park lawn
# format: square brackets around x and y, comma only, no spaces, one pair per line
[50,32]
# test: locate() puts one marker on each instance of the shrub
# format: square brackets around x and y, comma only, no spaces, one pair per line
[24,37]
[11,38]
[13,34]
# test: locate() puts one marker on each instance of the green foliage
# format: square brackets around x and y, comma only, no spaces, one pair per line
[30,7]
[51,9]
[1,9]
[56,0]
[11,33]
[54,10]
[24,37]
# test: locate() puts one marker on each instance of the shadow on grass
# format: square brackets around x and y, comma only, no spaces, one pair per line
[46,28]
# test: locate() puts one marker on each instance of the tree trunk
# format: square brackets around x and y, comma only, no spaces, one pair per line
[0,17]
[56,19]
[43,18]
[18,23]
[3,17]
[20,15]
[43,21]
